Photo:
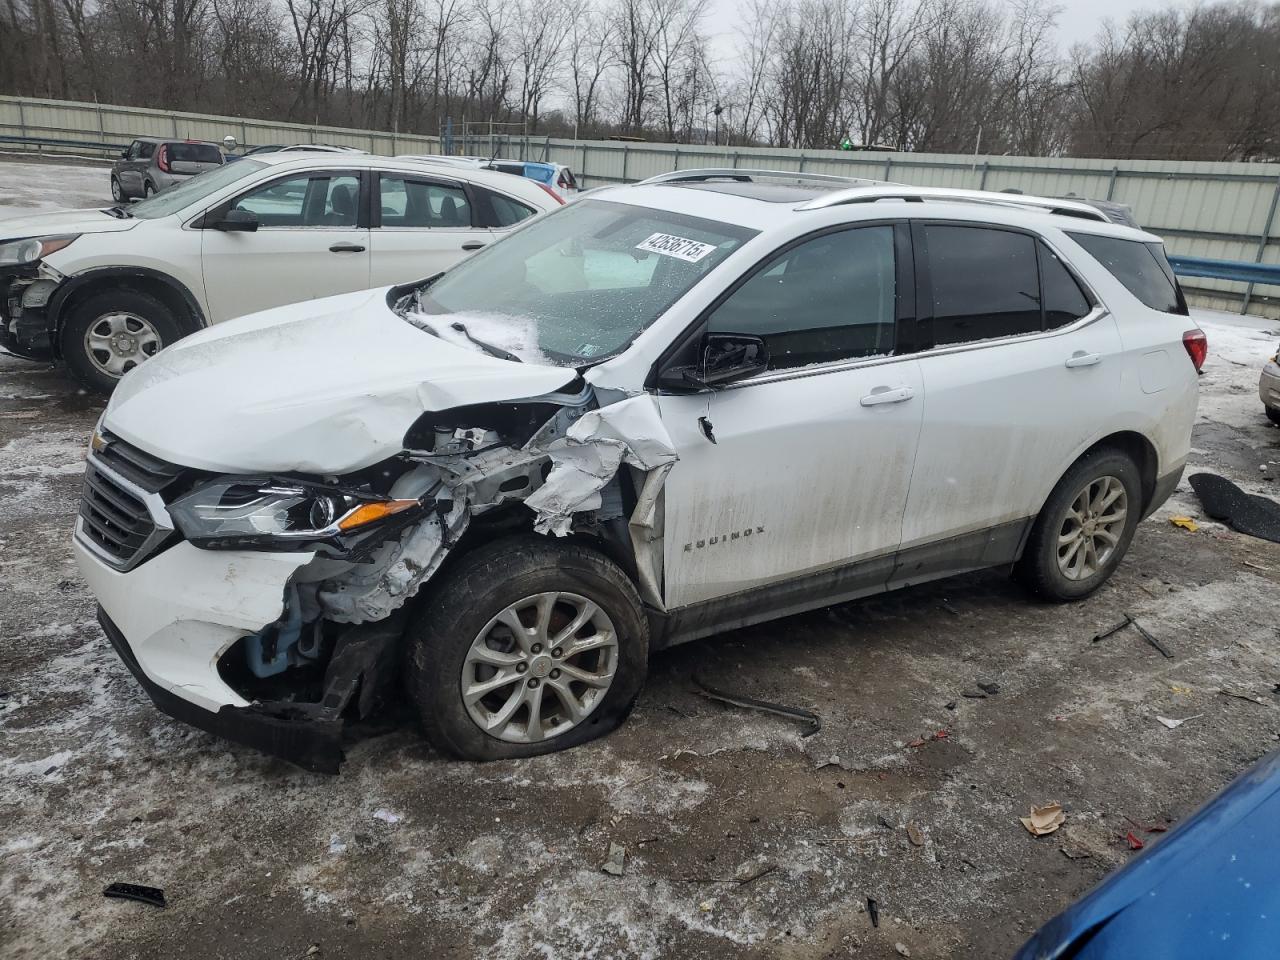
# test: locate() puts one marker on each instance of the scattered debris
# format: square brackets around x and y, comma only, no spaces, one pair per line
[1255,566]
[1175,724]
[921,741]
[336,845]
[386,816]
[751,872]
[706,906]
[873,910]
[136,891]
[1074,852]
[950,705]
[1134,842]
[808,717]
[1249,514]
[1179,690]
[1044,820]
[313,950]
[617,856]
[949,608]
[831,761]
[989,687]
[902,949]
[1186,523]
[915,835]
[1130,621]
[1239,695]
[973,694]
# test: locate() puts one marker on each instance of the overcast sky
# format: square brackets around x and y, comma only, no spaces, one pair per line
[1078,21]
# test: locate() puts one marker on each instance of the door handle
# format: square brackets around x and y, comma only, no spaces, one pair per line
[881,395]
[1082,359]
[472,245]
[346,248]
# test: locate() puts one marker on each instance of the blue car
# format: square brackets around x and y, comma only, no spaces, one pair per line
[1210,889]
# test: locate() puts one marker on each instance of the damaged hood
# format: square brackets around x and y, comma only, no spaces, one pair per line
[324,387]
[90,220]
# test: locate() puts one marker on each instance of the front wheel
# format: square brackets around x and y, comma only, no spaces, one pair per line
[1085,527]
[527,646]
[109,333]
[1273,414]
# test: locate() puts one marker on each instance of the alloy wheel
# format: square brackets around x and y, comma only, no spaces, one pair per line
[1092,528]
[540,667]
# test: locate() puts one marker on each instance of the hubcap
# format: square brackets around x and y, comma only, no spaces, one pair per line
[118,342]
[1092,528]
[540,667]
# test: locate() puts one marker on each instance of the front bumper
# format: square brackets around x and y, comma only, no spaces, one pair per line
[1269,385]
[173,617]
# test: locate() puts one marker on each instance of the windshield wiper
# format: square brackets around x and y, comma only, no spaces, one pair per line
[488,348]
[120,213]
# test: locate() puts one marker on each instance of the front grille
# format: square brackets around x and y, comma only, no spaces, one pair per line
[137,466]
[115,520]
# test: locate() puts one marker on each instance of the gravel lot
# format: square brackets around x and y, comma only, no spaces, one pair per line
[409,854]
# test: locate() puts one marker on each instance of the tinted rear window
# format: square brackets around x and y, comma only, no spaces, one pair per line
[1141,267]
[195,153]
[985,283]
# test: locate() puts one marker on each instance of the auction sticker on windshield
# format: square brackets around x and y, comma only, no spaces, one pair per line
[672,246]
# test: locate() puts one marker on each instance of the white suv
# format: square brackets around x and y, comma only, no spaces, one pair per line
[664,411]
[107,289]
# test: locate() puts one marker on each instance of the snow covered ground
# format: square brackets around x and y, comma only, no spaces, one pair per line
[28,187]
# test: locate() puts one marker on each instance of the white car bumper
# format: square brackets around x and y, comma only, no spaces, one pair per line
[180,610]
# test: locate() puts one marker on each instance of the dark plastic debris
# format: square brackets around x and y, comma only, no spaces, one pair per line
[136,891]
[873,909]
[1223,500]
[807,717]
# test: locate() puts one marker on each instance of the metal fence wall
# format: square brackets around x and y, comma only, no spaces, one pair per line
[1221,211]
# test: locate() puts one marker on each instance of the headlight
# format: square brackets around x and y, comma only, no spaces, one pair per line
[266,513]
[21,252]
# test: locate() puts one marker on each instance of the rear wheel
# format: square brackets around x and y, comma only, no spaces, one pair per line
[117,191]
[1273,414]
[528,646]
[1085,527]
[109,333]
[148,191]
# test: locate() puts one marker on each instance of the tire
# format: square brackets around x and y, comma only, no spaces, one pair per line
[131,326]
[1042,568]
[148,191]
[117,191]
[1273,414]
[460,612]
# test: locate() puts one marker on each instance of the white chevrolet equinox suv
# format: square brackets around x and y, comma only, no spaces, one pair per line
[669,409]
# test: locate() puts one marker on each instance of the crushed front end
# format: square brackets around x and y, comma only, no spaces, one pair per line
[25,293]
[269,609]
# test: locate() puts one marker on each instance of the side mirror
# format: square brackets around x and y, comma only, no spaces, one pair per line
[238,221]
[724,357]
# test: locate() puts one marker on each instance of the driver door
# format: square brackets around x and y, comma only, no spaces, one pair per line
[312,241]
[800,472]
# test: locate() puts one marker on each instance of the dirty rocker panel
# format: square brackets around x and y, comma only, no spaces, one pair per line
[991,547]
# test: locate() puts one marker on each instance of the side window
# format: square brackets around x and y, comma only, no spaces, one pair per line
[507,212]
[830,298]
[422,204]
[1141,267]
[1064,301]
[146,150]
[566,181]
[984,283]
[305,201]
[135,150]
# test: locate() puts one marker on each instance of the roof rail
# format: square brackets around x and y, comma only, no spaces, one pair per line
[740,175]
[885,191]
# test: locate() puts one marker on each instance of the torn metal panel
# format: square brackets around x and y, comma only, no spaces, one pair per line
[589,455]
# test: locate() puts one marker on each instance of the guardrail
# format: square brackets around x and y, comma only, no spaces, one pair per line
[92,146]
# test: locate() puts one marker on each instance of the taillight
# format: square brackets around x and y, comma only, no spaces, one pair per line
[555,196]
[1197,345]
[162,158]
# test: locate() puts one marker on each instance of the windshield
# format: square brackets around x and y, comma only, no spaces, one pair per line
[193,191]
[577,285]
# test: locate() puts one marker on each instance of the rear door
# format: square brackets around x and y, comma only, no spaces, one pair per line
[1020,368]
[421,226]
[312,241]
[802,469]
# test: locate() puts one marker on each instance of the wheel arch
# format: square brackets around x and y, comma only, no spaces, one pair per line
[173,293]
[1133,444]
